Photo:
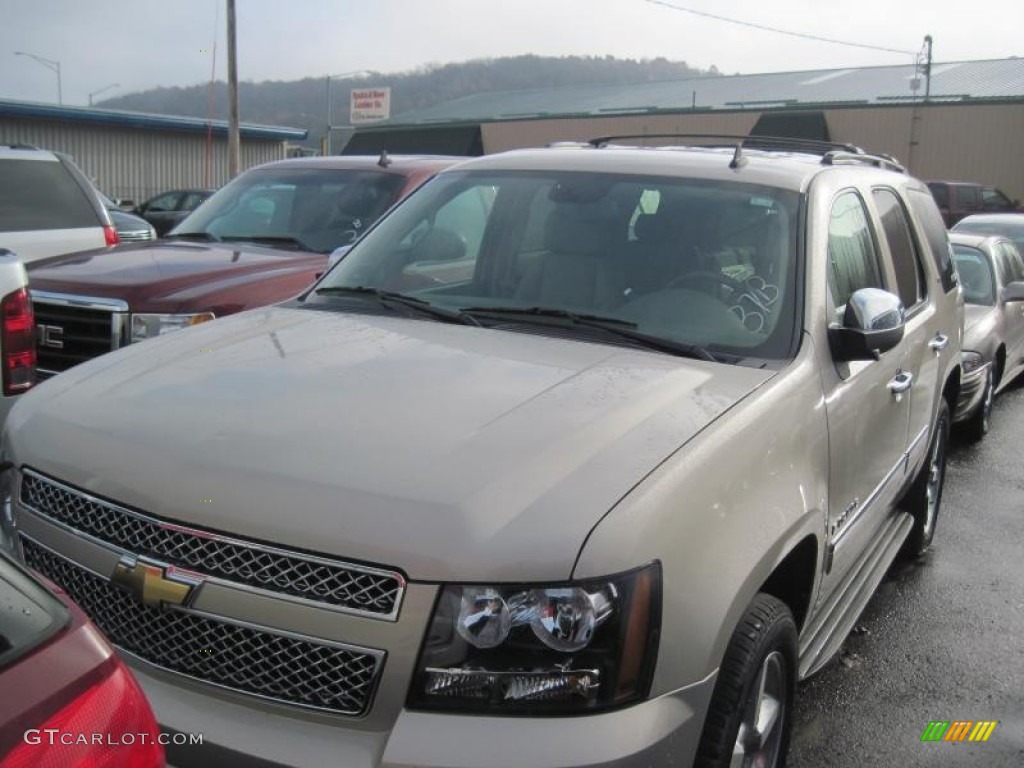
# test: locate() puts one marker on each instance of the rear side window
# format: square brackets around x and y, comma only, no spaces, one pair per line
[853,259]
[39,194]
[1011,266]
[966,198]
[905,256]
[940,193]
[927,213]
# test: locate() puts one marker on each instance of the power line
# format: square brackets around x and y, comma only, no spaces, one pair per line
[766,28]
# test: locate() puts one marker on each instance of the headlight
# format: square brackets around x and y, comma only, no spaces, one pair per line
[971,361]
[146,326]
[535,648]
[7,535]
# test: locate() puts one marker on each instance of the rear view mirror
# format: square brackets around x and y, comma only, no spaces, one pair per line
[1013,292]
[873,323]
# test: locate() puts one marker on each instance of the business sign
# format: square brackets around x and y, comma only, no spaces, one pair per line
[370,105]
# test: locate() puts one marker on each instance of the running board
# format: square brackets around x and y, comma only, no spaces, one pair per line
[825,635]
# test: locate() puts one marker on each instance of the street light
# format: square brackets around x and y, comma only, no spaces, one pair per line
[50,64]
[101,90]
[327,142]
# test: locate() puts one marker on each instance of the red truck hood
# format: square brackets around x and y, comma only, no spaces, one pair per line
[175,276]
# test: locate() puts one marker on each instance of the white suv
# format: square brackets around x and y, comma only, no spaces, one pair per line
[47,206]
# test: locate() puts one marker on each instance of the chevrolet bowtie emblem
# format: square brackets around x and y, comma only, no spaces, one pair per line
[152,584]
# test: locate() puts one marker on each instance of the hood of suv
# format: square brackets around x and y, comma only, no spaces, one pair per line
[451,452]
[160,276]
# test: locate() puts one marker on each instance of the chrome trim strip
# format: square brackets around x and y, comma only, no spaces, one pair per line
[120,330]
[119,551]
[374,653]
[80,302]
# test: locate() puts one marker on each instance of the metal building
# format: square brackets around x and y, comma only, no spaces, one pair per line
[963,122]
[134,155]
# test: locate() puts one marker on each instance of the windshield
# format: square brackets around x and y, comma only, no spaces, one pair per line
[693,262]
[316,209]
[976,276]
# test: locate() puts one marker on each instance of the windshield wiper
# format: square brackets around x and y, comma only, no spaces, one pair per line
[206,236]
[613,326]
[271,240]
[412,302]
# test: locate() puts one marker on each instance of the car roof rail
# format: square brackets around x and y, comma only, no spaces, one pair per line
[887,162]
[752,141]
[21,146]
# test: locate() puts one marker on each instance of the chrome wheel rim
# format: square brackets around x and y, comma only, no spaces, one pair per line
[759,738]
[936,467]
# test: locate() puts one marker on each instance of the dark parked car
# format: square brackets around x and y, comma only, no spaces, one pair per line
[957,199]
[67,698]
[992,276]
[169,209]
[130,228]
[1009,225]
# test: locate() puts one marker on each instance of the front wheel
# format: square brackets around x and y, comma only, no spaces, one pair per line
[925,495]
[750,716]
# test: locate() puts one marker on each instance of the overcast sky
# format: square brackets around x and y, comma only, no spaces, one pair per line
[142,44]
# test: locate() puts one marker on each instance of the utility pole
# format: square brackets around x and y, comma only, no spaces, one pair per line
[234,135]
[927,67]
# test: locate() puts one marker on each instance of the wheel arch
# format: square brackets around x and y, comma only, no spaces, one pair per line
[792,580]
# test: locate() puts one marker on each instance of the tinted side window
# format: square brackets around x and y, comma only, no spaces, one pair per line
[164,203]
[930,219]
[940,193]
[905,255]
[994,200]
[40,194]
[853,260]
[1014,264]
[966,198]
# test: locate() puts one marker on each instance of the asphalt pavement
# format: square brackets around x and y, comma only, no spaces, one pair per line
[943,638]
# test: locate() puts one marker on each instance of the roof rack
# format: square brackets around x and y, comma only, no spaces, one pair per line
[832,152]
[888,162]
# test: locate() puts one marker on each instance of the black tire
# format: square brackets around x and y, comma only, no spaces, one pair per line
[761,659]
[977,426]
[924,498]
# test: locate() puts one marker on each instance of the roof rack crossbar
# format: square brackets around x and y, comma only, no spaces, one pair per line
[752,141]
[887,162]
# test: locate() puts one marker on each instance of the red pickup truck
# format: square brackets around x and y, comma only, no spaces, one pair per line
[259,240]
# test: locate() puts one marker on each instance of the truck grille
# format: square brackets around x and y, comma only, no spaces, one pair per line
[69,335]
[343,586]
[248,659]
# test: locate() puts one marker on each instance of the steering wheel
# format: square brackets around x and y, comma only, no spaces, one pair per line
[707,276]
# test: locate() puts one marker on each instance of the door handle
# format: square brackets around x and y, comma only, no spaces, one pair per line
[939,343]
[900,383]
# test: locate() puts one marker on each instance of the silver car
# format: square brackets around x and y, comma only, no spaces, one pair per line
[992,275]
[581,456]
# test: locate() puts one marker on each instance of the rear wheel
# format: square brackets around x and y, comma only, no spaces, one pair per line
[976,427]
[925,495]
[750,716]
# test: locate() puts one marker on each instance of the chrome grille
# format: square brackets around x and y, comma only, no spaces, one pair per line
[247,659]
[347,587]
[85,332]
[135,235]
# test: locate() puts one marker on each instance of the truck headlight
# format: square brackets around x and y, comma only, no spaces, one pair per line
[147,325]
[526,649]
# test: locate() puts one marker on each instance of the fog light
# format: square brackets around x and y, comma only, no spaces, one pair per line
[514,685]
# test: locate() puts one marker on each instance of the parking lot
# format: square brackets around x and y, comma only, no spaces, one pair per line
[941,639]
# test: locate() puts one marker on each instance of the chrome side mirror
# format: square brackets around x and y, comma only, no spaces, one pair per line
[873,323]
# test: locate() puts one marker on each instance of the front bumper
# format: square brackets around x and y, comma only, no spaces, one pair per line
[972,391]
[660,732]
